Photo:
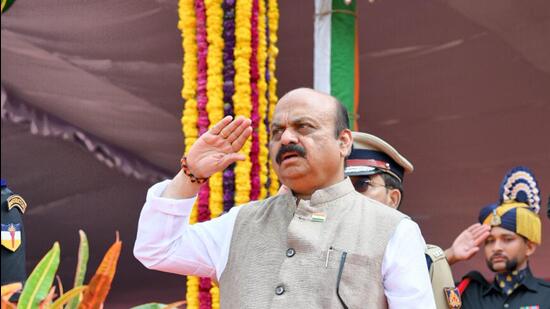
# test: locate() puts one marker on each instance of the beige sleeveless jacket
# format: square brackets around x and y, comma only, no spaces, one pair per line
[286,253]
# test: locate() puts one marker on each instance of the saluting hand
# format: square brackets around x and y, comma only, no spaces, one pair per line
[212,152]
[216,149]
[467,243]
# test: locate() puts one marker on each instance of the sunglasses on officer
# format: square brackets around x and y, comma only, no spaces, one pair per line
[363,183]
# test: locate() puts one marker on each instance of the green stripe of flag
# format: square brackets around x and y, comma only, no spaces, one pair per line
[342,68]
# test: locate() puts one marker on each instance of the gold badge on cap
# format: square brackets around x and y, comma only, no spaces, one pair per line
[453,298]
[495,220]
[17,201]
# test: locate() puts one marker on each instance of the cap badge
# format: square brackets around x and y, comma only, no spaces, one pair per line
[495,221]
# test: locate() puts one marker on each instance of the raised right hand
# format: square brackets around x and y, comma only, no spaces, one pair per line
[216,149]
[467,243]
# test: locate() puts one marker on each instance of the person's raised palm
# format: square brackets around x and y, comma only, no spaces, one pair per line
[467,243]
[218,147]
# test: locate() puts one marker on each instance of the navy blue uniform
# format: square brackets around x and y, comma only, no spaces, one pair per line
[13,238]
[531,292]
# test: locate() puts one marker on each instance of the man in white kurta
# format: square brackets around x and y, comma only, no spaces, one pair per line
[322,245]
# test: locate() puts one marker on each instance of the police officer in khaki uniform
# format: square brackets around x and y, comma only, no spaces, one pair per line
[13,237]
[515,234]
[376,170]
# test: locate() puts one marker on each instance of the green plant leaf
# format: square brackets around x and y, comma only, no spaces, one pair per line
[40,281]
[159,306]
[150,306]
[176,304]
[68,296]
[81,266]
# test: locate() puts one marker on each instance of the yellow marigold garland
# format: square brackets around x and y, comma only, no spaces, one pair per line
[273,23]
[262,90]
[241,98]
[214,86]
[187,25]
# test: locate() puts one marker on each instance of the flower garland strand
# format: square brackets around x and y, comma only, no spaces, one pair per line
[187,25]
[267,118]
[214,86]
[262,100]
[215,109]
[228,69]
[228,91]
[254,96]
[273,51]
[205,298]
[241,98]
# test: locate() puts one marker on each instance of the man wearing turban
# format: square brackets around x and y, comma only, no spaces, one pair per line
[514,237]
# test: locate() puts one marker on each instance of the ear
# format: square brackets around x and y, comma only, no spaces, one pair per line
[345,140]
[395,198]
[531,248]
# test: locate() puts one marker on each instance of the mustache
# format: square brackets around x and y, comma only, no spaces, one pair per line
[498,255]
[289,148]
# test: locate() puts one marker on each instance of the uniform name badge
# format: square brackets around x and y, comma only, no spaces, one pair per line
[11,236]
[453,298]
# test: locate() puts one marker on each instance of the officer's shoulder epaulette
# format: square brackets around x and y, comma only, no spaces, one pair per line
[434,252]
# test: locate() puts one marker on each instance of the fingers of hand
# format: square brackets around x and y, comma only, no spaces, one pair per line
[241,139]
[474,227]
[233,128]
[472,251]
[231,158]
[238,130]
[218,127]
[481,238]
[481,233]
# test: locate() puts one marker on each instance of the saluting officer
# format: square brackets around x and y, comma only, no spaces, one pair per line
[515,235]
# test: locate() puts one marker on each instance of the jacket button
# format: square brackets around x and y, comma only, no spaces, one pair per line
[290,252]
[279,290]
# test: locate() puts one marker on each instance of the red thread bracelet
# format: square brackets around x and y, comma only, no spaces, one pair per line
[186,171]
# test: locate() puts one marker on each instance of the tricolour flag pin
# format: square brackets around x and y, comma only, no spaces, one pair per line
[318,217]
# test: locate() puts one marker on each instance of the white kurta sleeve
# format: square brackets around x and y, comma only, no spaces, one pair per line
[165,241]
[404,269]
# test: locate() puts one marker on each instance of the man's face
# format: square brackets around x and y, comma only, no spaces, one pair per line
[304,150]
[506,251]
[374,187]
